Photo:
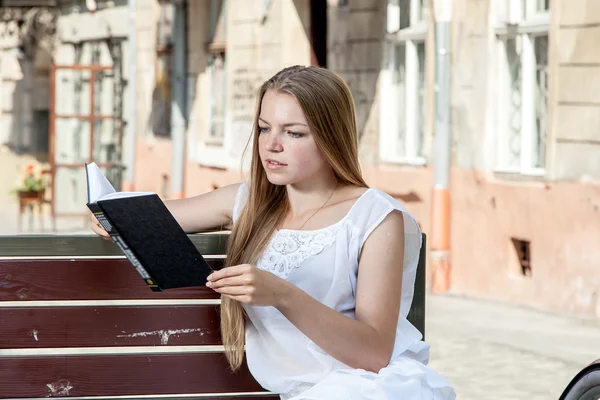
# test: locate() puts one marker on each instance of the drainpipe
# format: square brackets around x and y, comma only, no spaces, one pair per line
[178,102]
[440,235]
[131,135]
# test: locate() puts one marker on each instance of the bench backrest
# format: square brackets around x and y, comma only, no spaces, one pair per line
[77,320]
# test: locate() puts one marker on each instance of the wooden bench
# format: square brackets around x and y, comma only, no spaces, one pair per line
[76,320]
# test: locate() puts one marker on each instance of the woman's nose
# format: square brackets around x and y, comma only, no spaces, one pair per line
[273,142]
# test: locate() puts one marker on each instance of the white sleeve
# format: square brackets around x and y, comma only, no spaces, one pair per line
[240,200]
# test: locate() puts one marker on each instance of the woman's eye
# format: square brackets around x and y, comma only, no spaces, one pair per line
[295,134]
[262,129]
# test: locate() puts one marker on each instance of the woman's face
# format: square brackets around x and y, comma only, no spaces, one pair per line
[287,148]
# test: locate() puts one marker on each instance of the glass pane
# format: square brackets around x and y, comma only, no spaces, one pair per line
[421,96]
[405,13]
[422,10]
[106,141]
[393,16]
[71,191]
[543,5]
[399,83]
[161,97]
[513,58]
[104,93]
[71,141]
[541,98]
[217,96]
[72,94]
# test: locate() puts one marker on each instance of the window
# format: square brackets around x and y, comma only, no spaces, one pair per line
[216,74]
[160,117]
[522,46]
[403,83]
[216,71]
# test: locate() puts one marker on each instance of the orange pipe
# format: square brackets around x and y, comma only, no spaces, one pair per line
[440,241]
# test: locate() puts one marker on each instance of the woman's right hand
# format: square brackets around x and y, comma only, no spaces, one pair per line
[98,229]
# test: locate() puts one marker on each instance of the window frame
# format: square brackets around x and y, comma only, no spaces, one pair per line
[519,20]
[411,37]
[217,89]
[217,79]
[204,150]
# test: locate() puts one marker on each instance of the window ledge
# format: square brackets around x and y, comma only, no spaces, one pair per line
[539,24]
[416,32]
[213,156]
[213,142]
[410,161]
[529,172]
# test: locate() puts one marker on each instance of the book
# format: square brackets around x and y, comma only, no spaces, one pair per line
[147,234]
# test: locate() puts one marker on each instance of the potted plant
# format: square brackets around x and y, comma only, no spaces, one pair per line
[31,183]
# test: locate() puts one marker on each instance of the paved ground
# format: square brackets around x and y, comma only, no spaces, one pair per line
[494,351]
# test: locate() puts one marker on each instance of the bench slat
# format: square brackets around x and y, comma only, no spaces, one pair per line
[108,326]
[84,279]
[115,375]
[91,245]
[98,327]
[228,396]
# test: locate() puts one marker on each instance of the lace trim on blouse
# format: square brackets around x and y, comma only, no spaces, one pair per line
[288,249]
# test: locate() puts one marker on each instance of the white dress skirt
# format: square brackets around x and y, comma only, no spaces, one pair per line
[324,263]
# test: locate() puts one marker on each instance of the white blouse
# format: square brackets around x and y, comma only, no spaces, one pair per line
[324,264]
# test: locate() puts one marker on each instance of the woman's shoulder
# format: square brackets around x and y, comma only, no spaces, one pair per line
[377,200]
[373,206]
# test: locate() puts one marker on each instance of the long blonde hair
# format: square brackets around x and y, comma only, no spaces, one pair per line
[328,106]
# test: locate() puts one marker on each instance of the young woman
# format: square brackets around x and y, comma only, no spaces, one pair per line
[320,268]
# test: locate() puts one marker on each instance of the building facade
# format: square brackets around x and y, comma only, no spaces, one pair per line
[525,150]
[525,175]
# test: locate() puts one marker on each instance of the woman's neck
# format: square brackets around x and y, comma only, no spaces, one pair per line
[307,196]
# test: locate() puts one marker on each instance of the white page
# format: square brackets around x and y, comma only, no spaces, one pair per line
[122,195]
[98,185]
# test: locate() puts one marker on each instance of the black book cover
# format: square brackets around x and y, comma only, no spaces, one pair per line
[157,241]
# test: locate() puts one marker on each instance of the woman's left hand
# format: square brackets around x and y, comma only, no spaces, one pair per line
[249,285]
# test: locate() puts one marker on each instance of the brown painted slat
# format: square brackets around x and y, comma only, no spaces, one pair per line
[82,279]
[108,326]
[40,246]
[121,375]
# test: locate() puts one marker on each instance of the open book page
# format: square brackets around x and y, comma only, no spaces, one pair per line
[99,188]
[97,183]
[122,195]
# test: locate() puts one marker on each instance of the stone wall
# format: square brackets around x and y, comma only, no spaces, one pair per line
[575,90]
[556,214]
[355,52]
